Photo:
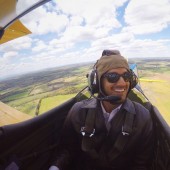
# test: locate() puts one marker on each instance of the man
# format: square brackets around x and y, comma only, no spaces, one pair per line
[107,132]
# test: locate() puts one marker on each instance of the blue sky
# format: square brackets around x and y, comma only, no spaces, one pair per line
[68,32]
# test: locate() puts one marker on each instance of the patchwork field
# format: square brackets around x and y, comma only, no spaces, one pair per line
[39,92]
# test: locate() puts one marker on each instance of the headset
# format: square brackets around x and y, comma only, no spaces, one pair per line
[93,82]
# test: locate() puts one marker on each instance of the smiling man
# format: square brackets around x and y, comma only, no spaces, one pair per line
[114,77]
[107,132]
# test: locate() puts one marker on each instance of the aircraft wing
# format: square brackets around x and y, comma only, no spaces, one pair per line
[9,115]
[16,30]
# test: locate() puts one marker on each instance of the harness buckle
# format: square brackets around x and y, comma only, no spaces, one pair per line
[124,132]
[87,133]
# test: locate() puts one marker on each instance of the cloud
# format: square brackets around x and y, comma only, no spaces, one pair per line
[10,54]
[64,15]
[39,46]
[147,16]
[95,12]
[115,40]
[17,44]
[42,21]
[8,58]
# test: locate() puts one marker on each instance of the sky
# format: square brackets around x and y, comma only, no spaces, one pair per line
[75,31]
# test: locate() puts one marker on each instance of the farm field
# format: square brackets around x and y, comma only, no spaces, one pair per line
[155,82]
[37,93]
[158,92]
[51,102]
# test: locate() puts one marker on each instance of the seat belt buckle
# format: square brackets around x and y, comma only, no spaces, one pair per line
[87,133]
[124,132]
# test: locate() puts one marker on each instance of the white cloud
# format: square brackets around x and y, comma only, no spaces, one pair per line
[41,21]
[147,16]
[94,12]
[8,58]
[10,54]
[76,20]
[51,22]
[115,41]
[78,33]
[40,45]
[60,44]
[17,44]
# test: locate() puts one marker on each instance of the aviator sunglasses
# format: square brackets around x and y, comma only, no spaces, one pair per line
[114,77]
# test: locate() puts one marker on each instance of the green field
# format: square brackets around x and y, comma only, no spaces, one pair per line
[51,102]
[159,93]
[29,107]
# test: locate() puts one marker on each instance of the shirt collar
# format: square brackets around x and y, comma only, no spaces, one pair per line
[114,110]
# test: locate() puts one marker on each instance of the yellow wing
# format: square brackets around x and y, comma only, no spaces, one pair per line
[9,29]
[9,115]
[16,30]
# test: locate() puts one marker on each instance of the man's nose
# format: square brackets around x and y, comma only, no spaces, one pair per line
[121,81]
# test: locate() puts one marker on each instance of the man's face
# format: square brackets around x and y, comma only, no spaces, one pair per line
[119,88]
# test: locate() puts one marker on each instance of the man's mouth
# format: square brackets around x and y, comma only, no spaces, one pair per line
[119,90]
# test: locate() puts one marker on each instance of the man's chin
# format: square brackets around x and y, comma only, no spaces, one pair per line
[118,101]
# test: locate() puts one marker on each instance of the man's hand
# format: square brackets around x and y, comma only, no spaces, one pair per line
[53,168]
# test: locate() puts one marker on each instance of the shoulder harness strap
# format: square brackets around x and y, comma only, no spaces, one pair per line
[122,137]
[88,130]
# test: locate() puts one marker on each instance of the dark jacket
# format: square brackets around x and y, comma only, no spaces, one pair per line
[135,155]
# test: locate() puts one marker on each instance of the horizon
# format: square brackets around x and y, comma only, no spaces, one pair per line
[16,76]
[64,35]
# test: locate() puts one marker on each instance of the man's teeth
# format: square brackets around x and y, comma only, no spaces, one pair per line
[119,90]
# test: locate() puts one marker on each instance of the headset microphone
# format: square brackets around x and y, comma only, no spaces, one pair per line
[111,99]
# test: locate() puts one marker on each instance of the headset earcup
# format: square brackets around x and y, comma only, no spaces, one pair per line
[93,82]
[134,79]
